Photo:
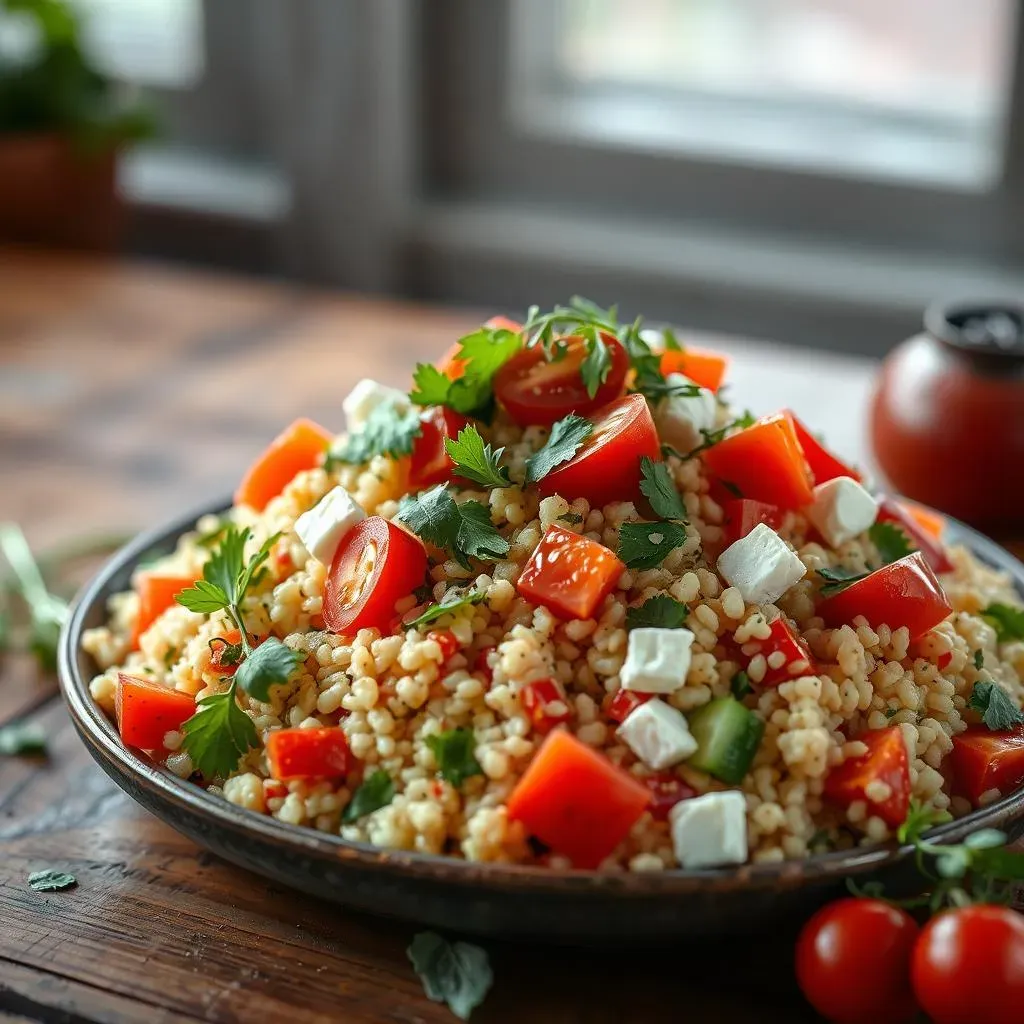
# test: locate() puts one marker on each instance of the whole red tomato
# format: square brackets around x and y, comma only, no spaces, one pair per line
[853,962]
[968,966]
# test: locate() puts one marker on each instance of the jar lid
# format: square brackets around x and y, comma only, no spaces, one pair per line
[988,330]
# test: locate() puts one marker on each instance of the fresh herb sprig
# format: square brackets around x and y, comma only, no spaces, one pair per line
[567,437]
[463,529]
[476,461]
[390,429]
[455,973]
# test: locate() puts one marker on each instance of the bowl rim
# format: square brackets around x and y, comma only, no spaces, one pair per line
[100,734]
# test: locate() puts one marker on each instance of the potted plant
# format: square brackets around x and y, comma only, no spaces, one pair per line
[62,125]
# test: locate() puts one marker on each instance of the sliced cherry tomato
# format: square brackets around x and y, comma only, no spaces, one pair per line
[890,511]
[743,514]
[905,593]
[545,705]
[607,466]
[576,801]
[535,390]
[156,595]
[219,646]
[886,761]
[701,366]
[147,711]
[569,574]
[667,790]
[624,702]
[377,564]
[308,754]
[824,465]
[765,461]
[431,463]
[968,966]
[445,639]
[853,962]
[982,760]
[301,446]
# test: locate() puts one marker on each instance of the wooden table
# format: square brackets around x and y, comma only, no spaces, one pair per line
[128,393]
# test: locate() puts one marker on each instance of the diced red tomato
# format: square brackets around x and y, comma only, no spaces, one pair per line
[982,760]
[921,536]
[576,801]
[535,390]
[218,645]
[765,461]
[308,754]
[376,565]
[702,367]
[625,701]
[824,465]
[743,514]
[147,711]
[793,648]
[905,593]
[667,790]
[943,660]
[607,466]
[156,595]
[886,761]
[301,446]
[480,663]
[431,463]
[569,574]
[545,704]
[445,639]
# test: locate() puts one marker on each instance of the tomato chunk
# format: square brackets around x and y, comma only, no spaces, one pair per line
[765,461]
[743,514]
[147,711]
[156,595]
[607,466]
[299,447]
[702,367]
[625,701]
[824,465]
[536,390]
[377,563]
[545,704]
[905,593]
[666,790]
[922,538]
[569,574]
[308,754]
[445,639]
[576,801]
[796,659]
[482,663]
[431,463]
[982,760]
[886,761]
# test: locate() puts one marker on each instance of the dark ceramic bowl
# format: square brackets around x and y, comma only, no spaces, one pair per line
[490,899]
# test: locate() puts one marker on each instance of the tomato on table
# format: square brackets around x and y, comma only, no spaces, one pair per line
[624,702]
[545,705]
[824,464]
[147,711]
[904,593]
[765,461]
[920,536]
[793,648]
[430,463]
[700,365]
[569,574]
[156,595]
[308,754]
[982,760]
[743,514]
[607,466]
[376,565]
[667,790]
[576,801]
[301,446]
[885,761]
[538,391]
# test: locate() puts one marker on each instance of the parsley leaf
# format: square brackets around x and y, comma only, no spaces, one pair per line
[271,663]
[219,734]
[838,579]
[993,703]
[463,530]
[979,659]
[892,543]
[1007,621]
[740,685]
[662,610]
[660,490]
[51,881]
[451,601]
[456,973]
[645,545]
[22,738]
[453,751]
[203,597]
[376,792]
[431,386]
[388,430]
[475,460]
[597,364]
[566,439]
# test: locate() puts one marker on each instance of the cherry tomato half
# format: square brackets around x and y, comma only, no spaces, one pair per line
[853,962]
[968,966]
[607,466]
[431,463]
[885,761]
[982,760]
[535,390]
[376,564]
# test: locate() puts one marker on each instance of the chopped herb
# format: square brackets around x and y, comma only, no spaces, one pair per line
[838,579]
[475,460]
[20,738]
[979,659]
[660,490]
[376,792]
[667,452]
[228,654]
[892,712]
[463,530]
[455,973]
[596,365]
[820,841]
[388,430]
[572,518]
[272,663]
[51,881]
[645,545]
[670,341]
[170,656]
[566,439]
[219,734]
[451,601]
[660,611]
[453,751]
[213,535]
[732,488]
[740,685]
[993,703]
[1007,621]
[891,541]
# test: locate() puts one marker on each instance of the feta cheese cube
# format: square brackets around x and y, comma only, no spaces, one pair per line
[711,830]
[657,660]
[322,528]
[761,566]
[842,509]
[365,397]
[658,734]
[681,418]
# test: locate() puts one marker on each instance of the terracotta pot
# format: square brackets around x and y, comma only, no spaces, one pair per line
[53,194]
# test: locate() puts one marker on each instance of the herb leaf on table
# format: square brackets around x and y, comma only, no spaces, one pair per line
[20,738]
[51,880]
[456,973]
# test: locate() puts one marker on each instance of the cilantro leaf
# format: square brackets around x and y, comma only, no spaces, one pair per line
[219,734]
[838,579]
[388,430]
[740,685]
[662,610]
[22,738]
[463,530]
[453,751]
[597,364]
[660,490]
[997,710]
[892,543]
[51,880]
[451,601]
[566,439]
[1007,621]
[979,659]
[430,386]
[271,663]
[376,792]
[456,973]
[645,545]
[475,460]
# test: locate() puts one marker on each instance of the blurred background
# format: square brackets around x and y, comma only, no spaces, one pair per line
[808,170]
